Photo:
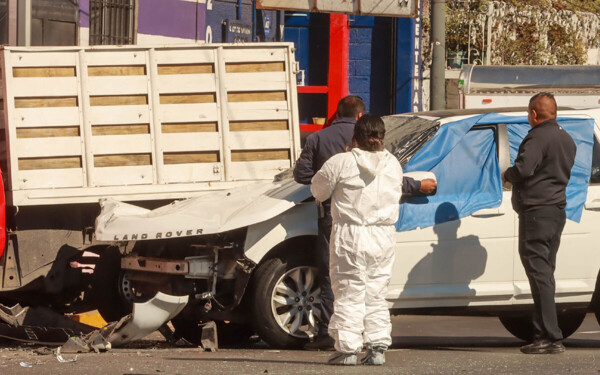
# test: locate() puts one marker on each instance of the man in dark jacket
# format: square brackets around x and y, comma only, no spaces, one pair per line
[319,147]
[540,176]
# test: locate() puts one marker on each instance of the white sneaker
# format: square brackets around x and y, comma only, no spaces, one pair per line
[375,355]
[345,359]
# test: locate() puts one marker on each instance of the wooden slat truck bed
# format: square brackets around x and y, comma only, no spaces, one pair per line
[140,123]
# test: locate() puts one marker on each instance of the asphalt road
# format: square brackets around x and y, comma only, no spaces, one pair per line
[422,345]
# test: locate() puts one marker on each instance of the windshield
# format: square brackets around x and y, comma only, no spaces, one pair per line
[405,135]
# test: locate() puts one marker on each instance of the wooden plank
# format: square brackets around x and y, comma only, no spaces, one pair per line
[38,117]
[267,96]
[48,132]
[203,112]
[113,57]
[186,69]
[116,70]
[118,115]
[42,59]
[273,139]
[46,102]
[62,162]
[191,127]
[44,87]
[194,83]
[126,85]
[50,178]
[122,160]
[237,55]
[246,67]
[187,98]
[121,144]
[277,81]
[199,172]
[237,126]
[180,142]
[194,55]
[120,175]
[45,71]
[116,100]
[248,111]
[191,157]
[259,155]
[256,170]
[100,130]
[44,147]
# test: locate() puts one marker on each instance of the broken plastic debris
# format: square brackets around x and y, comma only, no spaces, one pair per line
[61,359]
[23,364]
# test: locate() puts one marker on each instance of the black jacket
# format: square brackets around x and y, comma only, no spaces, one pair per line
[322,145]
[542,168]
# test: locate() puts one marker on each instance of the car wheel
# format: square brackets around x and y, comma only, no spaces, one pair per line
[287,302]
[521,325]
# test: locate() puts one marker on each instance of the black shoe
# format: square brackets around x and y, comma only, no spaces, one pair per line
[321,342]
[542,346]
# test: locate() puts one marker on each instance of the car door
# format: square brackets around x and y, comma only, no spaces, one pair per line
[578,258]
[461,262]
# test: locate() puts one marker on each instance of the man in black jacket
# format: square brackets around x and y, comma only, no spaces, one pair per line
[540,176]
[319,147]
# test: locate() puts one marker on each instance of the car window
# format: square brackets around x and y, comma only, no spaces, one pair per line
[405,135]
[595,173]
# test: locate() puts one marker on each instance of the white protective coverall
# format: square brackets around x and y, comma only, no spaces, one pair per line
[365,189]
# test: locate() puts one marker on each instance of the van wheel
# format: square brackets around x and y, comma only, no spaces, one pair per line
[287,302]
[520,325]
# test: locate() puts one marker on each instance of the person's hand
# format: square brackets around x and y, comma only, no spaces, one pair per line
[428,185]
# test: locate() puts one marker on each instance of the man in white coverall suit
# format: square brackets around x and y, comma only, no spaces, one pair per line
[365,186]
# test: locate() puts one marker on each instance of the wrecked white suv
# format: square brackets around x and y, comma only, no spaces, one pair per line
[245,256]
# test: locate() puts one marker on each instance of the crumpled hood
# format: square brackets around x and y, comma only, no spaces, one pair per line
[213,212]
[370,163]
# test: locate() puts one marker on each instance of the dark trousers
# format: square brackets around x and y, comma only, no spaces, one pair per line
[539,238]
[323,279]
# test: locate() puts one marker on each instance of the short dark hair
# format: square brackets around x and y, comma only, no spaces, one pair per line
[369,132]
[350,106]
[544,111]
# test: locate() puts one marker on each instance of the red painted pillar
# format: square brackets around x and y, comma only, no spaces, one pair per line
[339,36]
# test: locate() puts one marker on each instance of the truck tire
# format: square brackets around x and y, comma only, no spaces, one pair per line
[286,301]
[105,285]
[520,325]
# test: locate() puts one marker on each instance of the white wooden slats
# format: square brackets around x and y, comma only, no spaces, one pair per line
[163,113]
[49,178]
[258,170]
[131,114]
[250,54]
[270,81]
[187,83]
[36,87]
[256,140]
[258,111]
[198,172]
[41,117]
[115,85]
[122,144]
[130,175]
[46,147]
[113,57]
[180,142]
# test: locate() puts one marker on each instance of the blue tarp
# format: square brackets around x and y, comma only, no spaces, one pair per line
[466,166]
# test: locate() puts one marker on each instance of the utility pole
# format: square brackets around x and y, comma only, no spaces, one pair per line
[24,23]
[438,61]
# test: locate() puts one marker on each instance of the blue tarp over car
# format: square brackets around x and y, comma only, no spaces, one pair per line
[464,160]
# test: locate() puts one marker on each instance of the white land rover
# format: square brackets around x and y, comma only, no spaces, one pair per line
[245,256]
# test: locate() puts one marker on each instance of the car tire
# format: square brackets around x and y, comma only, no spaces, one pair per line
[521,326]
[286,301]
[105,285]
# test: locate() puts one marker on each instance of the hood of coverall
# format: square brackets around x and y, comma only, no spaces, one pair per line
[370,164]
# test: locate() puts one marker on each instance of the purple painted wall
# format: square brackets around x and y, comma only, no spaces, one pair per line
[173,18]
